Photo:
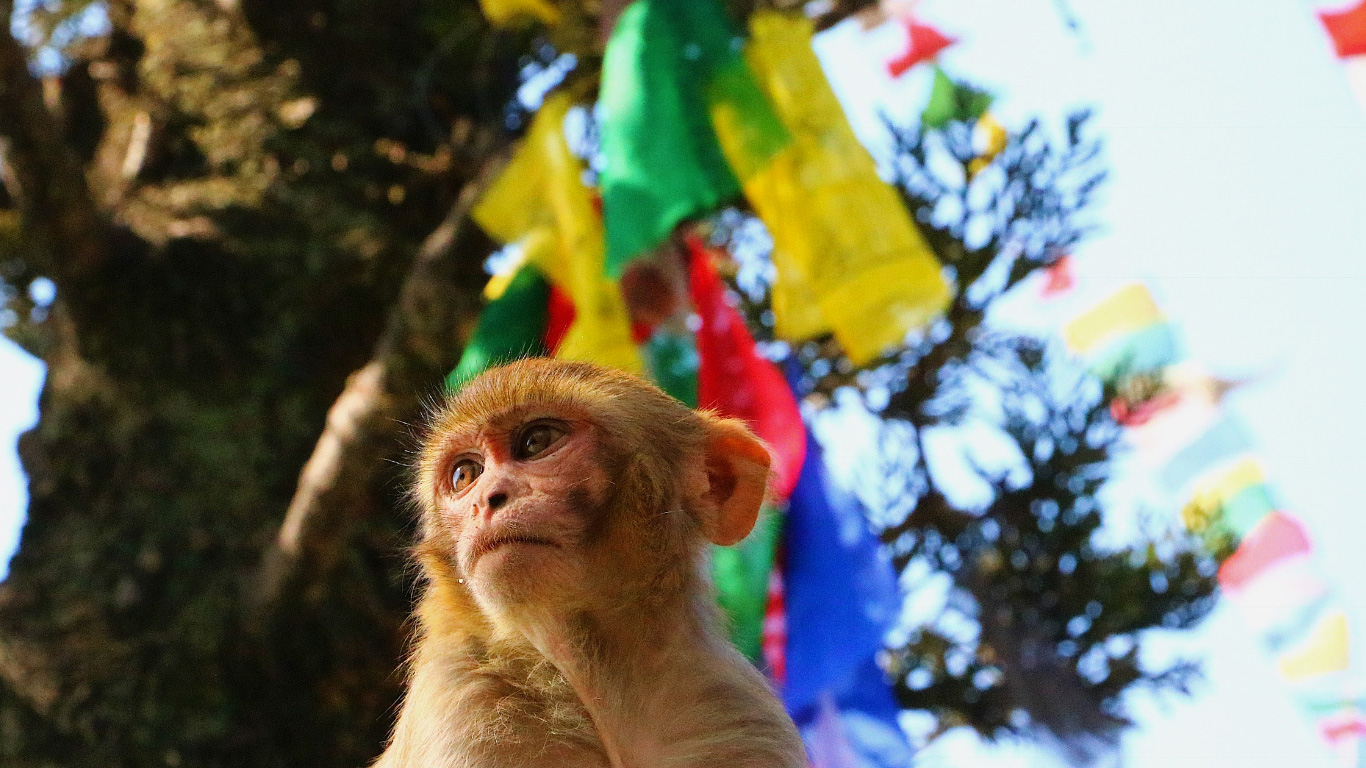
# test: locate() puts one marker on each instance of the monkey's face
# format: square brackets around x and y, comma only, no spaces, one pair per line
[521,497]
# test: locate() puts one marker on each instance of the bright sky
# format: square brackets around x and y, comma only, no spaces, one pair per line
[1239,192]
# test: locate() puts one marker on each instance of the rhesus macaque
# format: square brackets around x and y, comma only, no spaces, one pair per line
[567,620]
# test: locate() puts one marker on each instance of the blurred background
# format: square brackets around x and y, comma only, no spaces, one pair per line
[1051,314]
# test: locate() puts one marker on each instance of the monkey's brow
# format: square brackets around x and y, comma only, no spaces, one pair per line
[502,420]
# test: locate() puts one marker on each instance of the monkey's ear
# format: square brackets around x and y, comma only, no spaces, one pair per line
[737,480]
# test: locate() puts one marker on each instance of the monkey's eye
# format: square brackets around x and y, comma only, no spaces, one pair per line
[536,437]
[464,473]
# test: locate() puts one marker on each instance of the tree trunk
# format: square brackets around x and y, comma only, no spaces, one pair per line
[250,211]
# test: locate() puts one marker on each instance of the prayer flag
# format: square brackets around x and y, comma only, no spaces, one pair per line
[736,382]
[741,573]
[670,69]
[950,101]
[841,588]
[1225,439]
[849,258]
[856,727]
[503,12]
[1276,538]
[672,363]
[1278,602]
[1347,28]
[1059,278]
[923,43]
[1324,651]
[1124,335]
[1129,311]
[510,327]
[540,201]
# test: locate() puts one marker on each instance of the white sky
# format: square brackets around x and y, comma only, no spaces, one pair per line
[1238,190]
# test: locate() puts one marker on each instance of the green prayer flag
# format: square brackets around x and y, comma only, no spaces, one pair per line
[672,361]
[951,101]
[510,327]
[741,573]
[670,69]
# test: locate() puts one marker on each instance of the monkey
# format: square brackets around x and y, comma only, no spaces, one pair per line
[566,618]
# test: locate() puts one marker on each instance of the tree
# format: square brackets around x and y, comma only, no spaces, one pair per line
[255,217]
[1041,627]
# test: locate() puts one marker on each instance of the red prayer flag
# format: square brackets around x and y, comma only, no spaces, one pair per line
[560,315]
[775,629]
[925,42]
[1278,537]
[1337,729]
[735,381]
[1347,27]
[1060,277]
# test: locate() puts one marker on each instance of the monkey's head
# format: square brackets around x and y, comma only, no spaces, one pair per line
[547,483]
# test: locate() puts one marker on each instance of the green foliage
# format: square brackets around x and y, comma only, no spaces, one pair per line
[1042,616]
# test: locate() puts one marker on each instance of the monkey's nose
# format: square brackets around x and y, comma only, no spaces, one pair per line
[496,500]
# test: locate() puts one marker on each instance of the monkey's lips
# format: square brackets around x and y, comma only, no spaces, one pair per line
[492,541]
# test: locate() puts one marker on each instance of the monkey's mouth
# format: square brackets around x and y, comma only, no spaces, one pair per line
[499,541]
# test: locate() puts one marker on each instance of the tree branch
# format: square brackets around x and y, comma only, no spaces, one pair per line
[53,193]
[364,424]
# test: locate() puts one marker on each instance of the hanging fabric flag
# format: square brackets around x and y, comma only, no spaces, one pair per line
[559,318]
[1275,539]
[541,203]
[849,258]
[989,138]
[671,362]
[923,43]
[736,382]
[1124,335]
[1060,277]
[841,589]
[1347,28]
[950,101]
[671,69]
[1324,651]
[1224,441]
[841,596]
[510,327]
[504,12]
[1232,500]
[775,628]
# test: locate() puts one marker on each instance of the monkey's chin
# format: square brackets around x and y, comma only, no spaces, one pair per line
[518,570]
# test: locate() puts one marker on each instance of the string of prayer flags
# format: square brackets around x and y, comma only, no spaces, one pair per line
[849,259]
[540,203]
[923,43]
[1347,29]
[950,101]
[501,13]
[511,326]
[671,68]
[1207,458]
[1125,335]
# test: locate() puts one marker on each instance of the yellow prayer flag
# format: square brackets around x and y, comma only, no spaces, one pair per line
[502,12]
[1326,650]
[1130,310]
[849,258]
[540,202]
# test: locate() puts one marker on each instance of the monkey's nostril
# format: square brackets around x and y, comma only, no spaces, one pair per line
[497,500]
